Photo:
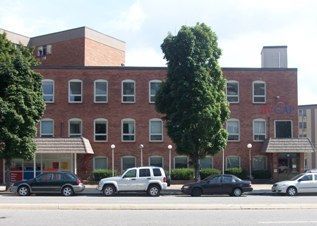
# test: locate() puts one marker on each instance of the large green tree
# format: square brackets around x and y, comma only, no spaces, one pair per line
[21,102]
[193,96]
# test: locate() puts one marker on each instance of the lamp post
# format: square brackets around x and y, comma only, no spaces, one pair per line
[169,159]
[141,150]
[112,150]
[249,146]
[223,161]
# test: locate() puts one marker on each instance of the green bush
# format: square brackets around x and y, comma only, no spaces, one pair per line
[182,174]
[261,174]
[209,172]
[239,172]
[101,173]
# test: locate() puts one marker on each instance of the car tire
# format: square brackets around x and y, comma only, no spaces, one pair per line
[237,192]
[67,191]
[154,190]
[108,190]
[291,191]
[196,192]
[24,190]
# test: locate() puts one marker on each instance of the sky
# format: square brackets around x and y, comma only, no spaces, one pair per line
[243,27]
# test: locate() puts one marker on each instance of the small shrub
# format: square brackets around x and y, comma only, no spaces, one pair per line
[102,173]
[261,174]
[182,174]
[239,172]
[209,172]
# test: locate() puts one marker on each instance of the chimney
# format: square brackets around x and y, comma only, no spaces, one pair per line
[274,57]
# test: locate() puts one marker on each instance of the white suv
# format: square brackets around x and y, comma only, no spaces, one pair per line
[149,179]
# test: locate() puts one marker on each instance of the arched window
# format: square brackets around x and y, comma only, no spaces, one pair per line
[75,91]
[128,91]
[259,92]
[233,128]
[75,127]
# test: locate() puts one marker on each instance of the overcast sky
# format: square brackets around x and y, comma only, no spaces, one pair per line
[242,27]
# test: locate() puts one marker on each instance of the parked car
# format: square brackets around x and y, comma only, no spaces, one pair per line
[65,183]
[220,184]
[302,183]
[138,179]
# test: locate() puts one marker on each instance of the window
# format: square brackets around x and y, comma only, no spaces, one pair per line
[100,91]
[233,92]
[127,162]
[128,130]
[48,90]
[128,91]
[307,178]
[75,128]
[302,112]
[259,130]
[216,179]
[156,130]
[283,129]
[157,172]
[47,128]
[100,163]
[180,162]
[233,162]
[75,91]
[101,129]
[144,173]
[206,162]
[302,125]
[45,177]
[44,50]
[130,173]
[227,179]
[259,92]
[154,87]
[259,163]
[233,128]
[156,161]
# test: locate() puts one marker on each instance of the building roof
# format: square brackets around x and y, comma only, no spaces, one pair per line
[63,145]
[289,145]
[15,37]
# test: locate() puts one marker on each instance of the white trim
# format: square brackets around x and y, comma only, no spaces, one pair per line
[134,134]
[156,156]
[128,95]
[283,121]
[81,126]
[152,81]
[47,120]
[180,156]
[127,156]
[103,95]
[155,120]
[236,156]
[233,120]
[81,91]
[99,157]
[258,82]
[101,134]
[238,95]
[263,156]
[253,134]
[53,94]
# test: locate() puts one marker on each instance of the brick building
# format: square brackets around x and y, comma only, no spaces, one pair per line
[94,101]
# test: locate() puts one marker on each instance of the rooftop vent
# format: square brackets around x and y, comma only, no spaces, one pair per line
[274,57]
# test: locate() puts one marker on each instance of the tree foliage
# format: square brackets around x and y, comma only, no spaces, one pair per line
[193,96]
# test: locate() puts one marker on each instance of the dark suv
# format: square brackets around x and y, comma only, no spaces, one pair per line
[65,183]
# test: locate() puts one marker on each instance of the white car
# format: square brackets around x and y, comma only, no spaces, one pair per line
[148,179]
[302,183]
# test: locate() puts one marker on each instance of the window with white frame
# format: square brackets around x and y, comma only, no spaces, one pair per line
[232,162]
[259,92]
[259,163]
[233,128]
[75,127]
[128,91]
[206,162]
[180,162]
[128,162]
[154,87]
[100,163]
[101,91]
[101,129]
[302,112]
[259,129]
[302,125]
[75,91]
[233,91]
[156,161]
[47,128]
[156,130]
[48,90]
[128,130]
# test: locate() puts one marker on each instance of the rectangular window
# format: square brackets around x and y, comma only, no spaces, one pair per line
[156,130]
[75,128]
[259,130]
[259,163]
[101,130]
[48,91]
[302,125]
[128,162]
[157,172]
[233,130]
[302,112]
[144,173]
[154,88]
[181,162]
[233,92]
[47,129]
[156,161]
[128,130]
[128,92]
[233,162]
[283,129]
[206,162]
[75,92]
[101,91]
[259,92]
[100,163]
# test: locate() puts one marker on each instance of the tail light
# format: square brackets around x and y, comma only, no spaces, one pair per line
[164,179]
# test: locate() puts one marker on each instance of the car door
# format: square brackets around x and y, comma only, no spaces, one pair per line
[128,181]
[227,184]
[212,186]
[56,183]
[142,181]
[42,183]
[305,184]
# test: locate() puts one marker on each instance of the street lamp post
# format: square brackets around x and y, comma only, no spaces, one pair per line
[169,159]
[223,161]
[249,146]
[112,150]
[141,150]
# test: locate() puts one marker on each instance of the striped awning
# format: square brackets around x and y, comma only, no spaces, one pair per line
[289,145]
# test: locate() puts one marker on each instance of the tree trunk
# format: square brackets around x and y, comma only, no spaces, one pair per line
[7,172]
[197,169]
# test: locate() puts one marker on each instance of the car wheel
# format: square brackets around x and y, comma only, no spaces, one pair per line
[67,191]
[108,190]
[154,190]
[196,192]
[291,191]
[24,190]
[237,192]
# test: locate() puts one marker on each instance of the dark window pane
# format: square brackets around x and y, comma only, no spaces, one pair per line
[283,129]
[144,173]
[157,172]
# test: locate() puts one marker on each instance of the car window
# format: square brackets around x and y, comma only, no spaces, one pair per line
[68,177]
[144,173]
[216,179]
[227,179]
[157,172]
[44,177]
[307,178]
[57,177]
[315,175]
[130,173]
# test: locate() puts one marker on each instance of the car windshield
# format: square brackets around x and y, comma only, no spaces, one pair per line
[298,176]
